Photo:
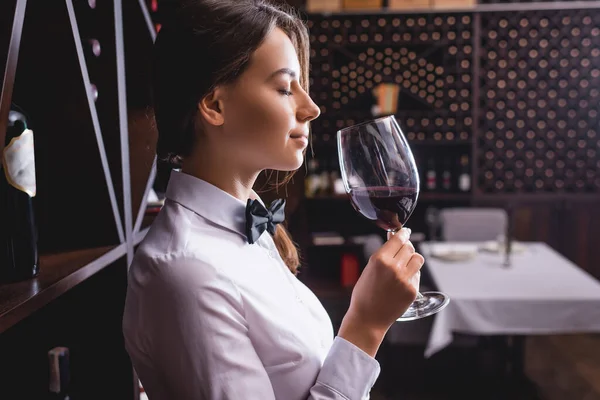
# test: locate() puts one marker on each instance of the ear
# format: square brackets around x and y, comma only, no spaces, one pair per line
[211,107]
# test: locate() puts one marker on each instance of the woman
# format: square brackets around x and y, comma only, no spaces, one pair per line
[214,309]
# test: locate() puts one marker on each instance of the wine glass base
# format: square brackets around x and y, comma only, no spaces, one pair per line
[429,304]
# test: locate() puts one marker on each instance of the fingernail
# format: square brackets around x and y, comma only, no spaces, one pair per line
[405,234]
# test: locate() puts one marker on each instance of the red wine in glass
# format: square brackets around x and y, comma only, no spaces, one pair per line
[388,207]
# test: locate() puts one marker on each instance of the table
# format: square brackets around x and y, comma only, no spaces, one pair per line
[540,293]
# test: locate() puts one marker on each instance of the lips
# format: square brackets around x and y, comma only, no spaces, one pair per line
[299,136]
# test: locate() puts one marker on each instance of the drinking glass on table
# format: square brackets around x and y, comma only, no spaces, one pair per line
[381,178]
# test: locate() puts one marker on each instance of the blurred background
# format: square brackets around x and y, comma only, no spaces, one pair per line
[499,101]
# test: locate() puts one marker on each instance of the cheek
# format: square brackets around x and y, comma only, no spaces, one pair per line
[264,115]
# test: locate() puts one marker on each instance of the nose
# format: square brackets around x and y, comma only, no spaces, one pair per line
[308,110]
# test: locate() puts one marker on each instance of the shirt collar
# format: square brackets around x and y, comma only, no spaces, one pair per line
[208,201]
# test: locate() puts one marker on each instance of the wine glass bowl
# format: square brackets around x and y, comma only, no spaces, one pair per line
[382,181]
[379,172]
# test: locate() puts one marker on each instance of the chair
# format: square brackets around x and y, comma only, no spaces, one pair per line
[472,224]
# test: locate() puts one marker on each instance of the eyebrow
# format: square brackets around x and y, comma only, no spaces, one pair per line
[285,71]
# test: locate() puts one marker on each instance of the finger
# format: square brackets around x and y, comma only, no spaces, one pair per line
[395,241]
[404,255]
[415,263]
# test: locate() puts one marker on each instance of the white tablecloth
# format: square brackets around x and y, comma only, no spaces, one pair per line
[541,293]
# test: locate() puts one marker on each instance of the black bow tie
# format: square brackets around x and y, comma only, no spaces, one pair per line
[259,218]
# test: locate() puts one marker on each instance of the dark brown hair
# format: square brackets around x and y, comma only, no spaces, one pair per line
[206,43]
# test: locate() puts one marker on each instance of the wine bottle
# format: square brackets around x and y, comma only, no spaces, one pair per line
[312,179]
[94,90]
[335,181]
[349,270]
[93,48]
[464,179]
[59,373]
[431,175]
[324,178]
[18,232]
[446,175]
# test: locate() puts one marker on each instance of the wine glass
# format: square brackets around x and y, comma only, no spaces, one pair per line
[382,181]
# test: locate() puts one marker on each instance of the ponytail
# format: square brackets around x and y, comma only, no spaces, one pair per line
[287,249]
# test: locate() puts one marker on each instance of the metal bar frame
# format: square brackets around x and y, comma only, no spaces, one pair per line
[123,126]
[10,70]
[152,175]
[95,121]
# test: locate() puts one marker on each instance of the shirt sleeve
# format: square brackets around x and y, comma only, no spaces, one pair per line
[201,344]
[348,373]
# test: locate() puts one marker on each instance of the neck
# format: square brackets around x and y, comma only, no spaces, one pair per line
[224,175]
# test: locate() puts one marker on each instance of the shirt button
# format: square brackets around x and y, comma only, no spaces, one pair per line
[298,299]
[270,253]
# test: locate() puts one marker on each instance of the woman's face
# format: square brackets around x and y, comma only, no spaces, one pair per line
[266,113]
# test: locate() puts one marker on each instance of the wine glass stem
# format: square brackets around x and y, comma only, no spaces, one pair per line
[420,300]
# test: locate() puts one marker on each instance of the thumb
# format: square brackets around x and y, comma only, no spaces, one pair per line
[415,281]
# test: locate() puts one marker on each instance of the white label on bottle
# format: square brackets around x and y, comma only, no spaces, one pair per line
[18,159]
[464,182]
[338,186]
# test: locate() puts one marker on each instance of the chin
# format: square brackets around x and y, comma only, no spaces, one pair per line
[291,164]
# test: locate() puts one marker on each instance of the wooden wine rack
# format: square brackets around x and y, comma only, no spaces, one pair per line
[540,99]
[525,93]
[428,56]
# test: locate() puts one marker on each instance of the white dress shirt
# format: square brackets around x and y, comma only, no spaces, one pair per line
[209,316]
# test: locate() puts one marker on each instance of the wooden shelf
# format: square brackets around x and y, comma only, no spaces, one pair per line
[429,196]
[441,196]
[426,196]
[328,197]
[535,197]
[444,143]
[58,273]
[479,8]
